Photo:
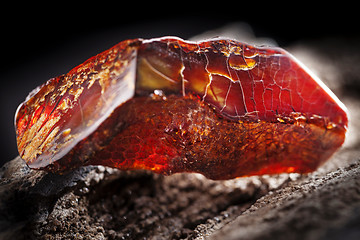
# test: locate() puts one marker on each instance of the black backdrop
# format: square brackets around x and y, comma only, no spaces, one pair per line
[40,42]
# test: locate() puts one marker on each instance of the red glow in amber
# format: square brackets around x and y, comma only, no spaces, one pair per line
[221,108]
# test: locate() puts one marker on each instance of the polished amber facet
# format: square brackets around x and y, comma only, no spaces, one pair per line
[221,108]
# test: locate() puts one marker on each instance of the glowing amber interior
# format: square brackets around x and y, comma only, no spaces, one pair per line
[221,108]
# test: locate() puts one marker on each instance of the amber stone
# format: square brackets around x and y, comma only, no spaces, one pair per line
[221,108]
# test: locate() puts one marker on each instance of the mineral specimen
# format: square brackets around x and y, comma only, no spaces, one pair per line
[221,108]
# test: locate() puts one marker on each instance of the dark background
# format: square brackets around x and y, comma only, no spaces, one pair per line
[40,42]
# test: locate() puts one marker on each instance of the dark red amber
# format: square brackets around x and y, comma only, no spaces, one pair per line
[221,108]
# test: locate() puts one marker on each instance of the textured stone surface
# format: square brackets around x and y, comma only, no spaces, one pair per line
[98,202]
[319,207]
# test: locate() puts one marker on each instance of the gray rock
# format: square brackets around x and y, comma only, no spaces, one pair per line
[319,207]
[98,203]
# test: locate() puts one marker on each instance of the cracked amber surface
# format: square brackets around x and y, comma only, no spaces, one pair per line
[221,108]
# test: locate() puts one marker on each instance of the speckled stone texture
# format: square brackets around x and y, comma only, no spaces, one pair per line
[102,203]
[99,203]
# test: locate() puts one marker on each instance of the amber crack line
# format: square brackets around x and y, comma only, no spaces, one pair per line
[158,72]
[226,97]
[275,83]
[231,79]
[182,69]
[251,76]
[210,78]
[241,87]
[183,80]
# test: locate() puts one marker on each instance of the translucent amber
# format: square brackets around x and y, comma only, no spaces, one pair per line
[221,108]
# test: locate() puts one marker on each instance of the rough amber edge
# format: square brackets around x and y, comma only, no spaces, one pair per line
[186,135]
